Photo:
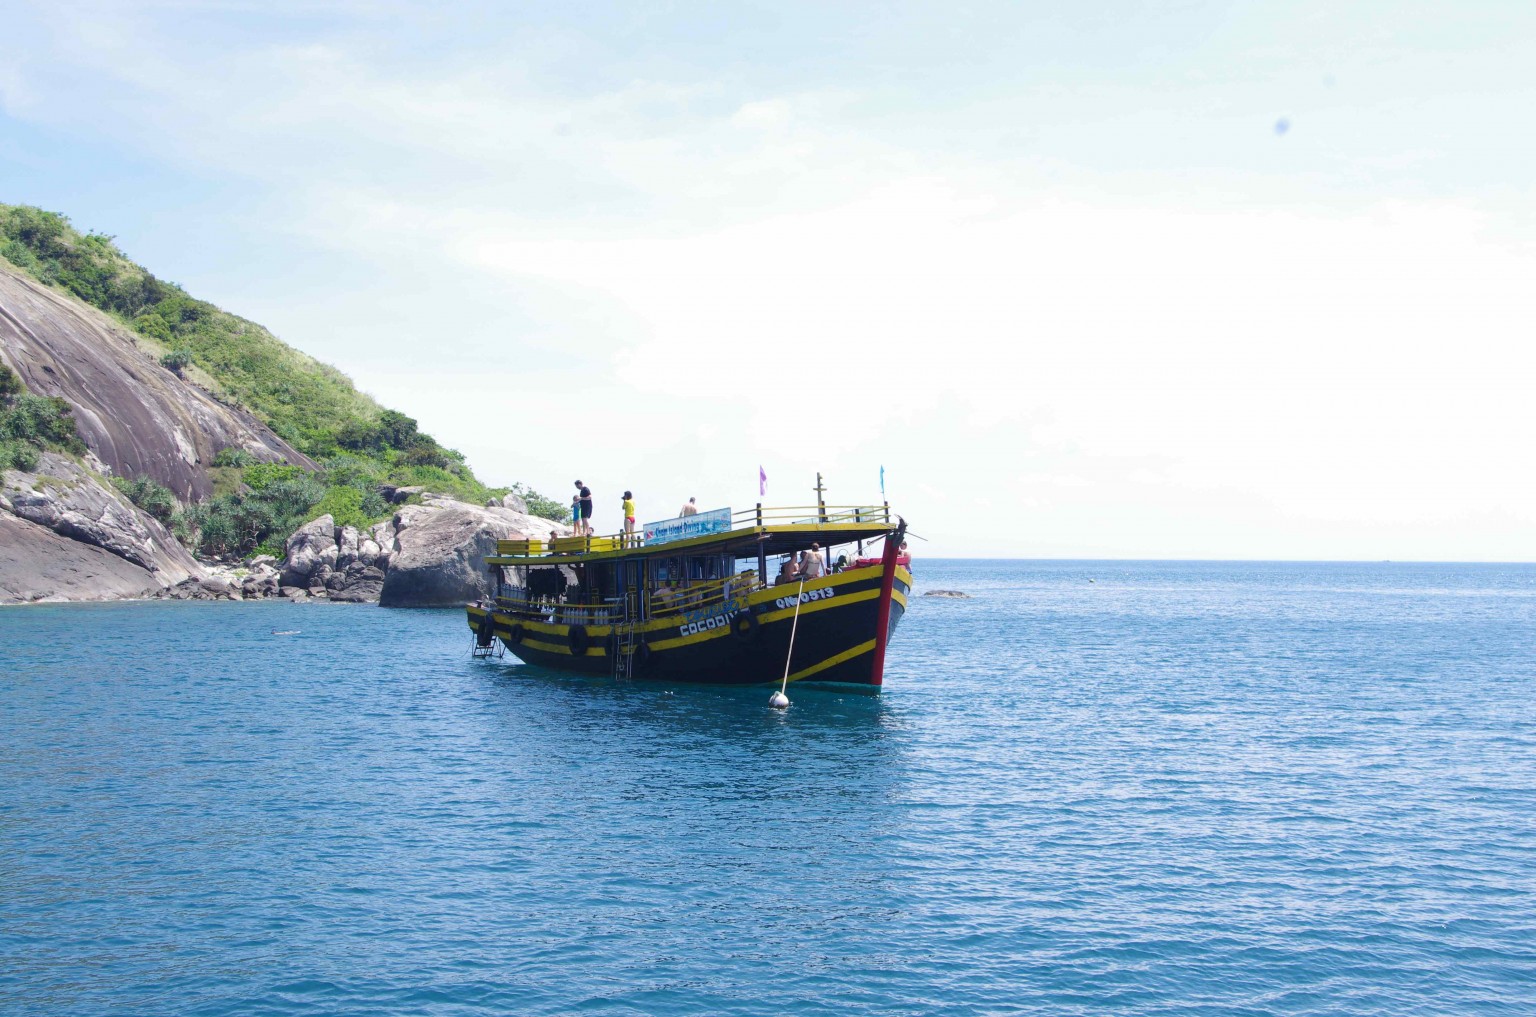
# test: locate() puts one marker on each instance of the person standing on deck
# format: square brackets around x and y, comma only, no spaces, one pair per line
[689,509]
[629,519]
[584,507]
[810,563]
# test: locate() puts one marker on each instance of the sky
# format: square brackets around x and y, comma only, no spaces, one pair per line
[1183,280]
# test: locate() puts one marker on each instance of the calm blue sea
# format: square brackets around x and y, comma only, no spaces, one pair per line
[1095,788]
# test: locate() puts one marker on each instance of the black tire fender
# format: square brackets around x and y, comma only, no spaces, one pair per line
[515,635]
[578,640]
[744,625]
[485,632]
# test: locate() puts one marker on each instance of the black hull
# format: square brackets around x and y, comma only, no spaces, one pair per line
[834,639]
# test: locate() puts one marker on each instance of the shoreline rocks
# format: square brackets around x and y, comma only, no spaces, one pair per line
[429,554]
[66,536]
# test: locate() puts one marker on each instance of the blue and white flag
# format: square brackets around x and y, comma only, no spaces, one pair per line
[882,481]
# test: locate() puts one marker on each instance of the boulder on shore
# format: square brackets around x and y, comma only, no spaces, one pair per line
[427,555]
[333,562]
[437,551]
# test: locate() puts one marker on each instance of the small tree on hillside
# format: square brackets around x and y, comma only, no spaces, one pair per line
[177,361]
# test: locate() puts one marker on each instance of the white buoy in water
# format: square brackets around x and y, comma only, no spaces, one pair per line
[779,701]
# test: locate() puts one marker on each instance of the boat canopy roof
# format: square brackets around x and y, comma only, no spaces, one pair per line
[773,531]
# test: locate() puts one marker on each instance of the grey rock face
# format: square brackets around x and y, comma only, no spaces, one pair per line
[135,415]
[37,564]
[335,562]
[64,497]
[310,552]
[437,551]
[399,495]
[427,555]
[360,584]
[438,554]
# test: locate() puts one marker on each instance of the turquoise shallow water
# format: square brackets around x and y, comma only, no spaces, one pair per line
[1184,788]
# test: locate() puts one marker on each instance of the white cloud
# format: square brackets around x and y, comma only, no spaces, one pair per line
[717,280]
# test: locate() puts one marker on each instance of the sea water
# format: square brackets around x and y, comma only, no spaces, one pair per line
[1091,788]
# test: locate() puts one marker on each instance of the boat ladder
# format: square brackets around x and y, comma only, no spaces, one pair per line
[624,657]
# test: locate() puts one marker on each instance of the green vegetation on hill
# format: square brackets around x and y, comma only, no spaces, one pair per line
[313,406]
[31,424]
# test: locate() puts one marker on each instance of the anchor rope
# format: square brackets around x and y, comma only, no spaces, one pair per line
[792,627]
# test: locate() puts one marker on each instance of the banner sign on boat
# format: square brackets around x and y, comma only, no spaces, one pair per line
[696,525]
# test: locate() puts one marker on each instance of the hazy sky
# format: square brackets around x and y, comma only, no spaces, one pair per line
[1172,280]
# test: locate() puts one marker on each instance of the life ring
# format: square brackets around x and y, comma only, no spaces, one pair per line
[485,632]
[515,635]
[744,625]
[578,641]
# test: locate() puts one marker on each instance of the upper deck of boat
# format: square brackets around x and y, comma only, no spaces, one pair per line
[754,531]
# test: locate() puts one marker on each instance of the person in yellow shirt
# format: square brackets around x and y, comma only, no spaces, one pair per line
[629,518]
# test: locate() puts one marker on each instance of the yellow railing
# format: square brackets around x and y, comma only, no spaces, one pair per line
[701,594]
[696,596]
[811,515]
[758,516]
[562,614]
[563,545]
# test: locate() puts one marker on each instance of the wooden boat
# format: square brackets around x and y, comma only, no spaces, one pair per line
[686,599]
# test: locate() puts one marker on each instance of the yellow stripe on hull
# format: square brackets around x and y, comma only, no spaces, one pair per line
[833,661]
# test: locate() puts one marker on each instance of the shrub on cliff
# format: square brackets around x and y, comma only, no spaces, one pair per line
[152,497]
[256,521]
[10,385]
[31,424]
[18,455]
[350,506]
[176,361]
[539,505]
[41,421]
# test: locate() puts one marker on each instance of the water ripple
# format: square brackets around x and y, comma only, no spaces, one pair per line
[1182,789]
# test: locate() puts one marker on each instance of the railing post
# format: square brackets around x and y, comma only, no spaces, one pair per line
[759,515]
[887,513]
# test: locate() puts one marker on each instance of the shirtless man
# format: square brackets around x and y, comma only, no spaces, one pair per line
[689,509]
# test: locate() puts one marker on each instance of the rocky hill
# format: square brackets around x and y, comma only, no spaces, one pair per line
[138,417]
[139,426]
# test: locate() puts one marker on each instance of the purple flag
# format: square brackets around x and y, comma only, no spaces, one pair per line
[762,482]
